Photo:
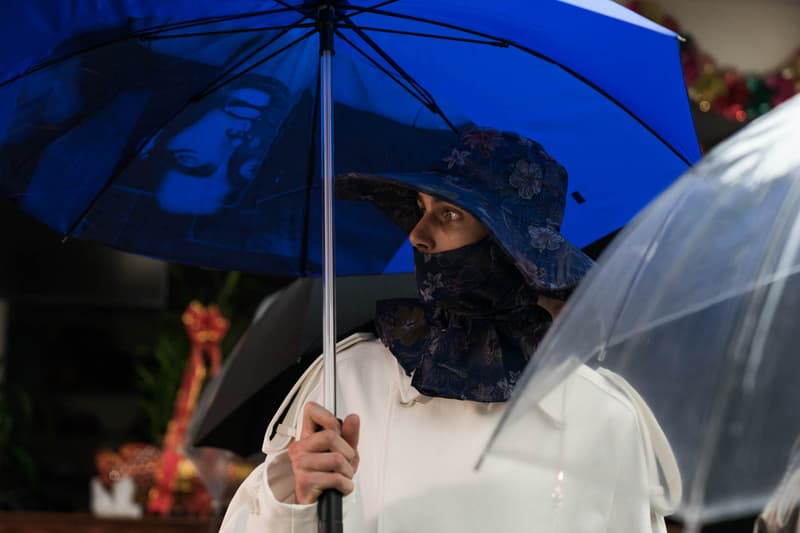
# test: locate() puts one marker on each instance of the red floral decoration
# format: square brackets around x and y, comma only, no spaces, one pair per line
[206,327]
[726,91]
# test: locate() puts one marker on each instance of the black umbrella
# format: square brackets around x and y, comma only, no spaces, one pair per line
[283,340]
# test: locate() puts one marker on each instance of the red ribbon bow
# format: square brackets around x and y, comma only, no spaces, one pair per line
[206,327]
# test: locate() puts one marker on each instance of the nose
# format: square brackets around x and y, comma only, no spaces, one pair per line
[421,237]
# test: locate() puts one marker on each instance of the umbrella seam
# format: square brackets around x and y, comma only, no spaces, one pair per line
[136,35]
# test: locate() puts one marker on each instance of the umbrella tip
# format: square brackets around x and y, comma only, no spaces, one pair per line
[681,38]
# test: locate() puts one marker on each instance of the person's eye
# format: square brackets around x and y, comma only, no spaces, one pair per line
[449,215]
[187,161]
[186,158]
[243,110]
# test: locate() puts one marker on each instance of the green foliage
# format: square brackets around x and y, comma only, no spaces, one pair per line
[16,420]
[159,367]
[159,379]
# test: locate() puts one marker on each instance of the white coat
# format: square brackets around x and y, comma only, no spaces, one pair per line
[418,456]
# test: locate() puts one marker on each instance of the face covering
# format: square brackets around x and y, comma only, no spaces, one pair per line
[472,330]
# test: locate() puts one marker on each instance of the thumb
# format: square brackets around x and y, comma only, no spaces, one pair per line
[351,429]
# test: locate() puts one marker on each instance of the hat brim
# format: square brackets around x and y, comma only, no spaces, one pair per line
[544,257]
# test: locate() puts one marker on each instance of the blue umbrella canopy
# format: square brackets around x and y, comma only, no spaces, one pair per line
[188,130]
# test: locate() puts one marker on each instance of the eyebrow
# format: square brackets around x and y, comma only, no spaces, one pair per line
[438,201]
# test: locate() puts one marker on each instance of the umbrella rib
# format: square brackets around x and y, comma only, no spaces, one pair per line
[368,9]
[210,87]
[140,34]
[497,43]
[638,272]
[547,59]
[418,96]
[146,140]
[155,34]
[616,340]
[356,10]
[227,32]
[222,80]
[191,23]
[392,63]
[394,14]
[432,105]
[289,6]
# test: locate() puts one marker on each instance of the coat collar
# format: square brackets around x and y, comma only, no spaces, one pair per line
[553,403]
[551,406]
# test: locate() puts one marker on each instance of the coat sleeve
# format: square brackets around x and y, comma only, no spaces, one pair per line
[265,501]
[255,507]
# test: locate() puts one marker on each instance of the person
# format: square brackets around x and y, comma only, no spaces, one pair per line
[492,272]
[201,160]
[210,154]
[193,182]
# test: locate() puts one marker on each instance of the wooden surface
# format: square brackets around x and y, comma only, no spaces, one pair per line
[24,522]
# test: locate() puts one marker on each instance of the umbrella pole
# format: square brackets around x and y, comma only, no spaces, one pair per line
[330,502]
[329,263]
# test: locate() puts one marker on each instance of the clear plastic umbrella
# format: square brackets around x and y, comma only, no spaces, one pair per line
[694,307]
[782,513]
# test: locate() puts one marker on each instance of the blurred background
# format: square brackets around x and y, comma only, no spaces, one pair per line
[92,347]
[92,350]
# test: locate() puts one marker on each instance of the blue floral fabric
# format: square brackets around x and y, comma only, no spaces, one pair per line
[472,330]
[476,323]
[508,182]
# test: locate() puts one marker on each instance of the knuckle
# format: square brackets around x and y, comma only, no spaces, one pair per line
[293,450]
[328,436]
[339,461]
[345,485]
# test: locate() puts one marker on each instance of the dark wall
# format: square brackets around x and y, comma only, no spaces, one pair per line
[36,266]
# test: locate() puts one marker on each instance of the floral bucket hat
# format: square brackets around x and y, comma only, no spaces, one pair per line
[508,182]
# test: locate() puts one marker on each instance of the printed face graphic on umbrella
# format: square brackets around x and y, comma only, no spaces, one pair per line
[211,154]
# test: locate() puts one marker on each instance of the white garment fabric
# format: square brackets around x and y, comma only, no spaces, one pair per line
[418,455]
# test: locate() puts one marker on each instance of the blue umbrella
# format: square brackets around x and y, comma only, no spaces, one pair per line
[173,130]
[201,131]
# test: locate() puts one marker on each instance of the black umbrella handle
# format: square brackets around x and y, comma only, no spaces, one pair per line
[329,508]
[330,512]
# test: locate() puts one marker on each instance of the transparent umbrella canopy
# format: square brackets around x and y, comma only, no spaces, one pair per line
[782,513]
[692,315]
